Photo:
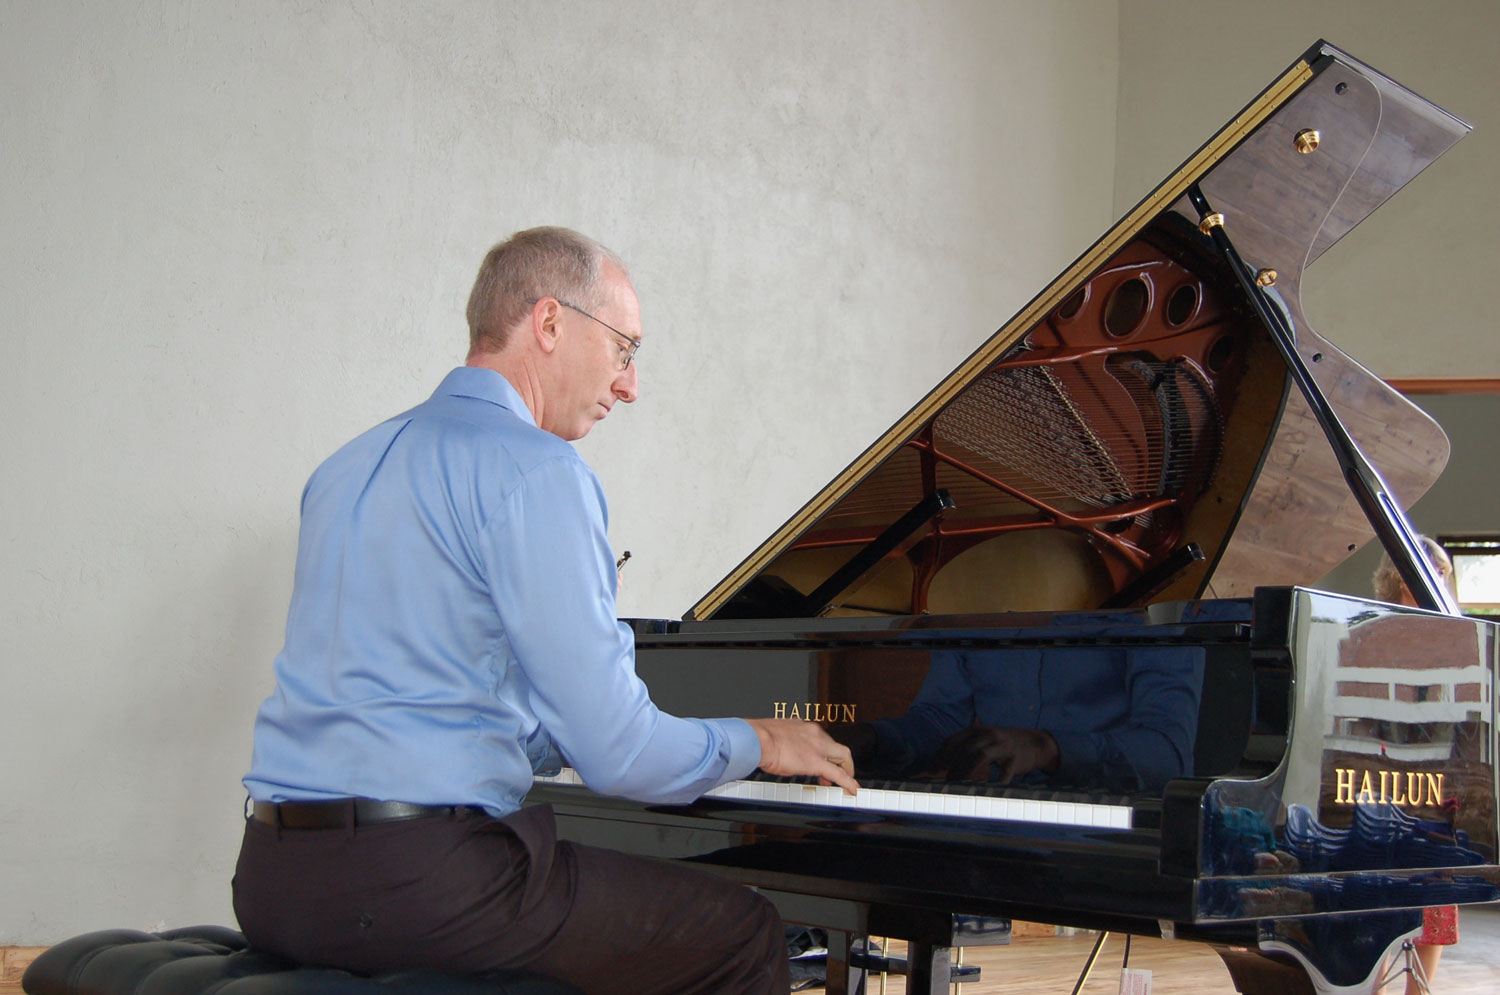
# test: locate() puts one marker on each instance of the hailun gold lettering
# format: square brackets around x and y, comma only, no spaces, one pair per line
[813,711]
[1397,787]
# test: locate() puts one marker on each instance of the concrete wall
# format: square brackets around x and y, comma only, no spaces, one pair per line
[236,234]
[1408,292]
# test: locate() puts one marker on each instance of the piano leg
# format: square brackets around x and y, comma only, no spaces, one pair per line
[1253,973]
[1321,955]
[843,978]
[929,967]
[929,934]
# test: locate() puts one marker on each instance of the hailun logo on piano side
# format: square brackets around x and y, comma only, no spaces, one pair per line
[1398,787]
[813,711]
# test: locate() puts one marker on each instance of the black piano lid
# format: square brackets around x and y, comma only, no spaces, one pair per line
[1134,407]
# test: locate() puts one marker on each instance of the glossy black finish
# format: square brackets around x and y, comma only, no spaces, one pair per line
[1247,836]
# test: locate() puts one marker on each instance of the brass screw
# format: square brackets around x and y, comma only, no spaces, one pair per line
[1210,222]
[1307,140]
[1265,277]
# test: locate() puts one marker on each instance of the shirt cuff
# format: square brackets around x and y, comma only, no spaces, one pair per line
[1078,759]
[741,749]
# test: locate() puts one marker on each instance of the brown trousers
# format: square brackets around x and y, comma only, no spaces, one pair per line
[467,893]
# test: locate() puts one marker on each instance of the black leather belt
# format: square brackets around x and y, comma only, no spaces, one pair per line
[341,813]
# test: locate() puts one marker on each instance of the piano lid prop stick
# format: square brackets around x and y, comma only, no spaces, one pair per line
[1370,489]
[904,530]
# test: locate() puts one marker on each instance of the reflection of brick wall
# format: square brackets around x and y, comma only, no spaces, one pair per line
[1414,642]
[1407,692]
[1420,692]
[1415,676]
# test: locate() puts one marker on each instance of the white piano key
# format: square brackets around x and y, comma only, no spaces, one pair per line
[998,808]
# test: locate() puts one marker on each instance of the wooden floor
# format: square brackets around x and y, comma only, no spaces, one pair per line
[13,961]
[1045,964]
[1051,964]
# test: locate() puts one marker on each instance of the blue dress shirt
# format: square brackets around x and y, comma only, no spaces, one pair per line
[452,626]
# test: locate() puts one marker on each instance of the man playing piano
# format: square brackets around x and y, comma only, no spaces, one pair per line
[452,630]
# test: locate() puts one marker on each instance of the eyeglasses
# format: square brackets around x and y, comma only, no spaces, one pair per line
[627,351]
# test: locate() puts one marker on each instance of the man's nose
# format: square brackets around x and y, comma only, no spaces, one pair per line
[627,385]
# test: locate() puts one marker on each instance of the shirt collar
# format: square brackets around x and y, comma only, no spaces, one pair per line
[485,385]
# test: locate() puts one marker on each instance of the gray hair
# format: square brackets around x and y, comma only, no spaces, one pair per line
[1387,579]
[531,264]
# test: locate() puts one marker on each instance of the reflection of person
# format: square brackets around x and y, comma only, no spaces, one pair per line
[1118,717]
[1439,922]
[452,629]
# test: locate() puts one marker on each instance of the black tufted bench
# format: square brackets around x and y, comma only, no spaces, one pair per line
[213,960]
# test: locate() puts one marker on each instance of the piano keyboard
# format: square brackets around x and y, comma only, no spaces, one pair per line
[1000,808]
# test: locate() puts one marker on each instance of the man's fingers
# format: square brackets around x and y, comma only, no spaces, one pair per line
[832,773]
[839,756]
[793,747]
[836,765]
[838,768]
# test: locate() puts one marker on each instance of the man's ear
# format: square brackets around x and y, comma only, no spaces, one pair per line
[546,323]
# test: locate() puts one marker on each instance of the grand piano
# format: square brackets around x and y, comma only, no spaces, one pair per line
[1103,525]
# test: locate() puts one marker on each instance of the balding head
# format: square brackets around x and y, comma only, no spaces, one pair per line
[535,263]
